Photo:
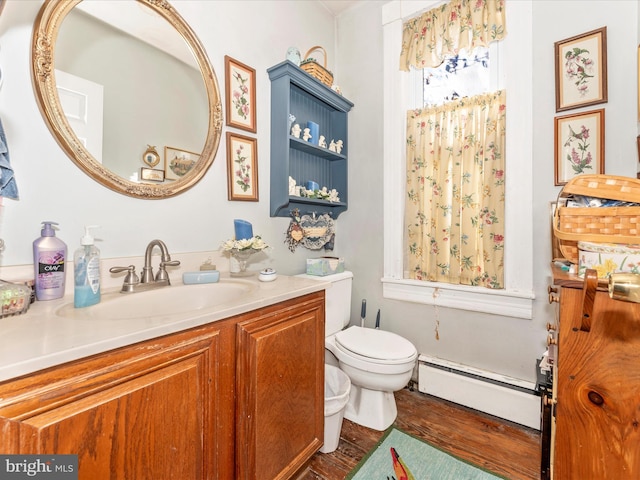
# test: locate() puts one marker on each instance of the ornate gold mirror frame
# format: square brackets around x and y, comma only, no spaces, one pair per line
[45,33]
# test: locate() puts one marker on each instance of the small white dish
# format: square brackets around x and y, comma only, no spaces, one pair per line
[267,275]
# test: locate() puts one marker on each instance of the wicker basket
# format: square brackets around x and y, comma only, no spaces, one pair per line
[597,224]
[316,70]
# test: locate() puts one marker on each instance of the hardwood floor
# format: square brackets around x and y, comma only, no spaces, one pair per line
[502,447]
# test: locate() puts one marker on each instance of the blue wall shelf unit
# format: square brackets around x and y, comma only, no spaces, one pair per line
[294,91]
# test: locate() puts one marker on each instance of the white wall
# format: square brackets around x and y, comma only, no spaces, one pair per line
[52,188]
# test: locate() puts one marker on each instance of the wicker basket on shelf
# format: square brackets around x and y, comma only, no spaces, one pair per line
[313,68]
[597,224]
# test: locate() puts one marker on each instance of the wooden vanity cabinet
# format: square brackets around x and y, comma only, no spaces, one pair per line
[597,385]
[166,408]
[157,409]
[280,389]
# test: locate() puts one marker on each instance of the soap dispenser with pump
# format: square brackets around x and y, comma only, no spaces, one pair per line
[86,261]
[49,256]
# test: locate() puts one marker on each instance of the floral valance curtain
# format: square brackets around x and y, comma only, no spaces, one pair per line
[447,29]
[454,209]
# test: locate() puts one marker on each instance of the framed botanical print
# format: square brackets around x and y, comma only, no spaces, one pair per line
[579,145]
[581,70]
[242,167]
[240,93]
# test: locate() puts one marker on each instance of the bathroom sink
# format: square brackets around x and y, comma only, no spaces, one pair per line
[164,301]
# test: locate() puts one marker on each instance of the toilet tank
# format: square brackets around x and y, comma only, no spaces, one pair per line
[337,300]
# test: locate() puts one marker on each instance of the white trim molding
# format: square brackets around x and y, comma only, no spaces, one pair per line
[475,299]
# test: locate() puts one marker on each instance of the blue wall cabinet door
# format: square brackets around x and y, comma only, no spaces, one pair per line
[296,93]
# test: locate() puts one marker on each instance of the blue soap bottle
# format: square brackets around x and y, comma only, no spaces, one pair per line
[49,256]
[86,261]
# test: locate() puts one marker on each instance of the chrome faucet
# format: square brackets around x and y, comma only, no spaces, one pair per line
[133,283]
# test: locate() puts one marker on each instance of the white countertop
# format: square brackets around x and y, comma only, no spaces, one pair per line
[43,338]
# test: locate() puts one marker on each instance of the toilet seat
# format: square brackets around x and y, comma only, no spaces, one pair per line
[375,346]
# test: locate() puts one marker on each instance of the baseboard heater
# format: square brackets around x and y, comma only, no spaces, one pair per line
[499,395]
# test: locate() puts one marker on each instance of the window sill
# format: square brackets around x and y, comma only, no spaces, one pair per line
[509,303]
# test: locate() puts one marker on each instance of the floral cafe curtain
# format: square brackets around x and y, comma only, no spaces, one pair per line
[454,209]
[445,30]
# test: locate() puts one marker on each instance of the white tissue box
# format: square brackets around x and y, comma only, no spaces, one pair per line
[325,266]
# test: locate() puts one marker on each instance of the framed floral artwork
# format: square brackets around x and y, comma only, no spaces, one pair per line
[178,162]
[579,145]
[240,90]
[242,167]
[581,70]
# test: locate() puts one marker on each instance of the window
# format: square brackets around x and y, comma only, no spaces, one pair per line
[464,75]
[516,299]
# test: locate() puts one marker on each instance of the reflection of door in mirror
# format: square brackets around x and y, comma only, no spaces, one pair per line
[150,96]
[82,103]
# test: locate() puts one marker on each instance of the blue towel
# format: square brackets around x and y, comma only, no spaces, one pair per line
[8,187]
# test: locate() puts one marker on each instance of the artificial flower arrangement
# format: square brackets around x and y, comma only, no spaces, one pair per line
[254,243]
[321,194]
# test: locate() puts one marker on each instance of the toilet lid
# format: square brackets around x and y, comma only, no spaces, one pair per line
[375,344]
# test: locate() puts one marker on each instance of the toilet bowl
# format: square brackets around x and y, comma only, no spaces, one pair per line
[377,362]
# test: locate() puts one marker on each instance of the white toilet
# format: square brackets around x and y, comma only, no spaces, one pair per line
[377,362]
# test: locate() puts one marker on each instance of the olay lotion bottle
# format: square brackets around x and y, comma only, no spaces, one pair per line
[49,256]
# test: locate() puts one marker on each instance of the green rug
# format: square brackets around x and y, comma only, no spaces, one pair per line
[401,456]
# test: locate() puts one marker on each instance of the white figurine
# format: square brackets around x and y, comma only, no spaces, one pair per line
[332,146]
[339,146]
[292,186]
[322,142]
[306,135]
[295,131]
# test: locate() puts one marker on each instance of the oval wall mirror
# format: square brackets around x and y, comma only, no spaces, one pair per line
[128,92]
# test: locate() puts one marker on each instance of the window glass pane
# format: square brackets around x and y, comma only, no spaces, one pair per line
[465,75]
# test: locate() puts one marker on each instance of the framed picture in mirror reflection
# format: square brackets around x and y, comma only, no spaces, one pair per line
[178,162]
[151,156]
[151,174]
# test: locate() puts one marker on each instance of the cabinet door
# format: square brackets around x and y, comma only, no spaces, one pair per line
[143,412]
[598,390]
[280,388]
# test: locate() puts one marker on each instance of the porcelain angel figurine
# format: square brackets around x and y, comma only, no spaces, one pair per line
[339,146]
[295,131]
[322,142]
[306,135]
